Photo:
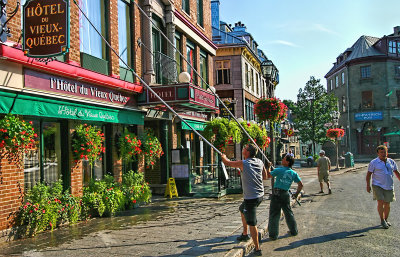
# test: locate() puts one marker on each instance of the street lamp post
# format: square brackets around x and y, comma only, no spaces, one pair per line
[270,73]
[335,118]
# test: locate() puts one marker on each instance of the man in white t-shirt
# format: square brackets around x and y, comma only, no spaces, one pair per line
[381,169]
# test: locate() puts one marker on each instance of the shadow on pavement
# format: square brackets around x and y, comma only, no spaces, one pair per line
[326,238]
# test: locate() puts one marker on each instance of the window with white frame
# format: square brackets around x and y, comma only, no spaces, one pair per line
[186,6]
[90,42]
[331,85]
[343,104]
[392,47]
[342,78]
[124,33]
[337,81]
[247,75]
[365,72]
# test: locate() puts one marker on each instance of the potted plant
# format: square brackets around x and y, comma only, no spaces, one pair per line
[87,143]
[221,131]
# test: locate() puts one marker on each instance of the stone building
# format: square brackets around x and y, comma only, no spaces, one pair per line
[366,80]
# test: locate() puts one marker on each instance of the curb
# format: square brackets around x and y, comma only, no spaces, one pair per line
[245,248]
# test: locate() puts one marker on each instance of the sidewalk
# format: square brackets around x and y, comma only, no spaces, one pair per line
[177,227]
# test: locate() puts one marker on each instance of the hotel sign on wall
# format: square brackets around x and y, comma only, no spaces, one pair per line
[45,28]
[71,88]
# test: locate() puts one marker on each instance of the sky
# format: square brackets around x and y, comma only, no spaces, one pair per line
[304,37]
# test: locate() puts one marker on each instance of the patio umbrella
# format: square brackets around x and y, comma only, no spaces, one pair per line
[396,133]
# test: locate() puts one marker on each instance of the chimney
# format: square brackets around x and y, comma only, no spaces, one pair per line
[396,30]
[239,26]
[215,13]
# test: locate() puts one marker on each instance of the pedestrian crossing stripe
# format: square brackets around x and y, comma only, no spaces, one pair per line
[170,190]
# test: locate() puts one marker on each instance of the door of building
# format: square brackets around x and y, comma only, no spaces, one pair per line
[369,139]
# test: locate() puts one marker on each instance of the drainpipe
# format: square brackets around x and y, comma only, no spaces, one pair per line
[348,108]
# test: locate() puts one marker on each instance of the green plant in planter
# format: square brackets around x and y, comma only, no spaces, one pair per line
[151,148]
[87,143]
[135,189]
[259,134]
[271,109]
[221,131]
[16,134]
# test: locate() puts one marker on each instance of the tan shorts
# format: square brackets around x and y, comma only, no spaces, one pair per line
[382,194]
[323,177]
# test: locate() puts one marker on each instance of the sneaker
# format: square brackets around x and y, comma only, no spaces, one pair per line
[258,252]
[243,238]
[321,192]
[384,224]
[330,191]
[272,238]
[389,224]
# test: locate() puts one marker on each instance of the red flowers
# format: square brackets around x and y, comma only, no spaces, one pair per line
[16,134]
[87,143]
[335,133]
[271,109]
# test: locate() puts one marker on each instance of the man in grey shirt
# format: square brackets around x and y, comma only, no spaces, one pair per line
[252,172]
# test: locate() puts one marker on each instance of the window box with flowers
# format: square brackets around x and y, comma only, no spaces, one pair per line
[87,143]
[221,131]
[151,148]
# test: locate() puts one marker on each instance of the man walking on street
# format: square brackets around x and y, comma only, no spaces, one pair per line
[381,169]
[252,173]
[323,167]
[280,199]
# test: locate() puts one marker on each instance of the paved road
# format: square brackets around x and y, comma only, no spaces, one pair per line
[345,223]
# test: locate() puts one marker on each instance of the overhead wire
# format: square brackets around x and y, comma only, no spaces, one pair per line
[145,84]
[202,79]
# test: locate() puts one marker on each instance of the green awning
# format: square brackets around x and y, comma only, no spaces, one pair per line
[38,106]
[197,125]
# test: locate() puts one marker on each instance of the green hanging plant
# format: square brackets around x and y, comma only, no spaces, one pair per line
[221,131]
[87,143]
[151,147]
[258,133]
[129,146]
[16,134]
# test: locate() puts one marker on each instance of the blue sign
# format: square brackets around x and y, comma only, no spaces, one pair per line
[362,116]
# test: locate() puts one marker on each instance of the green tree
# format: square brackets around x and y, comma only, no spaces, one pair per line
[313,109]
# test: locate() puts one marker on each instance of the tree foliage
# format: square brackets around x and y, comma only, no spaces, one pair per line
[313,109]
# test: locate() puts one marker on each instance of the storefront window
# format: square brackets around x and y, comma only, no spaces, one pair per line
[31,161]
[47,152]
[97,171]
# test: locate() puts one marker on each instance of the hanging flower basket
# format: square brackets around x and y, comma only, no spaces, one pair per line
[271,109]
[289,132]
[16,134]
[87,143]
[151,148]
[258,133]
[221,131]
[335,133]
[129,146]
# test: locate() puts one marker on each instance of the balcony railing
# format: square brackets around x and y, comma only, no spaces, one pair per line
[165,69]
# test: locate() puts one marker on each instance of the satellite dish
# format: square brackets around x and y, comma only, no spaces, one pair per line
[184,77]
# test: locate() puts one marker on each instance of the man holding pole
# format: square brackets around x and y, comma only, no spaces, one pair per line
[252,173]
